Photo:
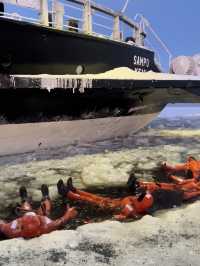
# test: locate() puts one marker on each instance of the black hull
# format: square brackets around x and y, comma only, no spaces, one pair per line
[30,49]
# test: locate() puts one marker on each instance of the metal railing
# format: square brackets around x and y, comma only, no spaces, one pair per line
[146,26]
[89,13]
[19,17]
[90,18]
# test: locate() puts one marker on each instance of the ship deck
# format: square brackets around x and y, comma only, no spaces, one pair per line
[117,78]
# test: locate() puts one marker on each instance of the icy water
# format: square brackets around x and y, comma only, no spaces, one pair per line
[96,167]
[86,212]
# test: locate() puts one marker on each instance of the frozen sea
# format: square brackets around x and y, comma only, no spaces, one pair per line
[180,110]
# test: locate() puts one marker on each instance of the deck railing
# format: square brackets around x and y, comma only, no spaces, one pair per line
[155,43]
[56,14]
[87,17]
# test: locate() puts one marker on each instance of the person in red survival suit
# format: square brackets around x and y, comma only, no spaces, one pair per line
[127,207]
[191,168]
[35,223]
[190,188]
[191,185]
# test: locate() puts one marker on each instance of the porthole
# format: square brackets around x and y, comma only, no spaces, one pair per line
[6,61]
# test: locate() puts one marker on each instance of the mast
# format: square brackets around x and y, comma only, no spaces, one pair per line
[125,6]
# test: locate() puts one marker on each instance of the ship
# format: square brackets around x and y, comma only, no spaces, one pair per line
[50,46]
[47,98]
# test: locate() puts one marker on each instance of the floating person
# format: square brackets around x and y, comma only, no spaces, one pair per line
[191,168]
[122,208]
[165,194]
[133,184]
[189,188]
[34,223]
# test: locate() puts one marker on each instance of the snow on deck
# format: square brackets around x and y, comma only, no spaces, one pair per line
[118,77]
[121,73]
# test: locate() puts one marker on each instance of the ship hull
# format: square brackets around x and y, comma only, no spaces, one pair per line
[108,109]
[32,49]
[32,137]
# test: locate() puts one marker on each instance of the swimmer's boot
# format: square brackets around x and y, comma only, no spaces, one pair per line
[25,205]
[46,206]
[62,189]
[132,183]
[70,186]
[45,192]
[23,194]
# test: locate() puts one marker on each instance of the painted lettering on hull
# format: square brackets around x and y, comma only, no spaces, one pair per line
[137,69]
[141,63]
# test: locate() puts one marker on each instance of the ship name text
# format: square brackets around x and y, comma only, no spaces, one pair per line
[141,61]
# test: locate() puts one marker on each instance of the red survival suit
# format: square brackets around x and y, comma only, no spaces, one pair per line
[122,208]
[190,187]
[35,223]
[192,166]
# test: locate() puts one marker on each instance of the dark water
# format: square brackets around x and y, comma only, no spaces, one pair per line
[90,214]
[86,212]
